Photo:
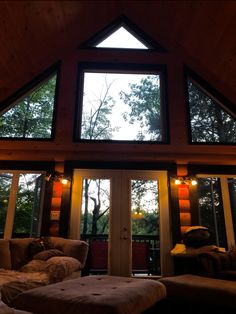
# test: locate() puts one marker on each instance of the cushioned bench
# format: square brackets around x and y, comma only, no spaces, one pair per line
[201,293]
[93,294]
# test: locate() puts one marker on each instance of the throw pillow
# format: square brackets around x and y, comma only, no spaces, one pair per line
[45,255]
[197,236]
[34,266]
[59,267]
[40,244]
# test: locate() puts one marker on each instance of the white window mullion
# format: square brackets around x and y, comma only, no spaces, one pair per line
[11,207]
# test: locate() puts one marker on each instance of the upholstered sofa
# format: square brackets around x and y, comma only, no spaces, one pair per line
[31,262]
[218,264]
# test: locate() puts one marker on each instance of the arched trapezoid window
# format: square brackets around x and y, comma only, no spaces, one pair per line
[212,118]
[29,114]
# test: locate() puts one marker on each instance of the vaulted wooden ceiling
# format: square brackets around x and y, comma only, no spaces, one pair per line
[35,34]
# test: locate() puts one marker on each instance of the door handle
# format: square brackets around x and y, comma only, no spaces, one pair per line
[124,234]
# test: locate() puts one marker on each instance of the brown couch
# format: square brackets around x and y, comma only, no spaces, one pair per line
[28,263]
[218,264]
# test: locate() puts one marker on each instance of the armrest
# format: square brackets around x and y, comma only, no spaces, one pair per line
[212,263]
[74,248]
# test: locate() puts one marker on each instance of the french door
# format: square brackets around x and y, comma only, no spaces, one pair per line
[123,203]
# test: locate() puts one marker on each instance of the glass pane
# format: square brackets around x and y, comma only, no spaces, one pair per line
[27,212]
[145,227]
[209,122]
[32,116]
[114,103]
[211,212]
[232,195]
[121,39]
[36,212]
[95,222]
[5,186]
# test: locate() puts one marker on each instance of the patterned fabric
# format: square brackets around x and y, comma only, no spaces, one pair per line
[34,266]
[45,255]
[59,267]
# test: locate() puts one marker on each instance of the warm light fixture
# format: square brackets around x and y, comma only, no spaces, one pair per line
[57,177]
[137,215]
[64,181]
[185,180]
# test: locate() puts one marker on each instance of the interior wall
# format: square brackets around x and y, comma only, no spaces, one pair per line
[63,148]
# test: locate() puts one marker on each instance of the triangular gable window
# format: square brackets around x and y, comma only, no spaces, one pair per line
[31,115]
[121,39]
[211,121]
[122,34]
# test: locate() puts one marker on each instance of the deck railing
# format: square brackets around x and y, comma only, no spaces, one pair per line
[151,242]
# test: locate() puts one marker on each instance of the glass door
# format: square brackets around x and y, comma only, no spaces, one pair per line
[145,214]
[216,207]
[124,215]
[21,203]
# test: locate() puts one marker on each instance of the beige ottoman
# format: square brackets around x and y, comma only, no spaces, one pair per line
[93,295]
[4,309]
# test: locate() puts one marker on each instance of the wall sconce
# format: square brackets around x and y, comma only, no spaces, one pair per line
[57,177]
[186,181]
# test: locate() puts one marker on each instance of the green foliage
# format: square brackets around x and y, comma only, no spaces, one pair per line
[32,116]
[209,122]
[145,103]
[5,182]
[102,224]
[24,209]
[148,225]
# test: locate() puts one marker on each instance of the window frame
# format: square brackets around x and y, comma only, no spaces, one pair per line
[132,28]
[121,68]
[16,97]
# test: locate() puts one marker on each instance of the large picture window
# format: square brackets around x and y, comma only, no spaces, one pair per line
[121,104]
